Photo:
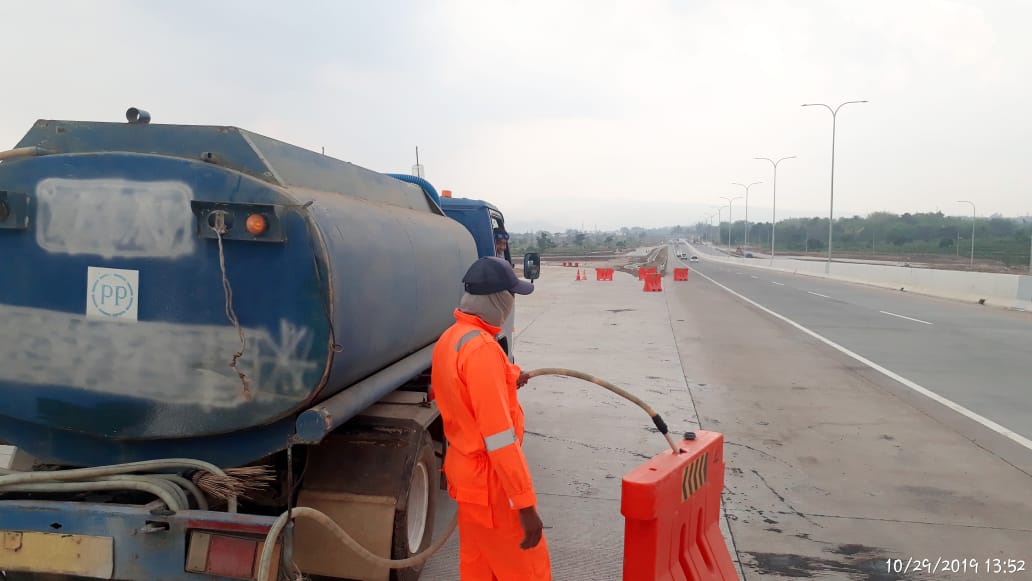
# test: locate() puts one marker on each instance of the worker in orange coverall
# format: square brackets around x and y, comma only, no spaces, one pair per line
[501,536]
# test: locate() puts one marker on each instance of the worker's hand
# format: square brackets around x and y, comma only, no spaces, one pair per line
[522,380]
[533,528]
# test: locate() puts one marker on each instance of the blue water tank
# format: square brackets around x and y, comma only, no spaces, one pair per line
[115,323]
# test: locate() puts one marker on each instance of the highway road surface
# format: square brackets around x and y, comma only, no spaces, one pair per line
[978,357]
[834,469]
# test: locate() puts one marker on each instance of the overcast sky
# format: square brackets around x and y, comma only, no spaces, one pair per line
[573,114]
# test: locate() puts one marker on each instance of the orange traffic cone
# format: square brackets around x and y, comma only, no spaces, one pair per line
[578,274]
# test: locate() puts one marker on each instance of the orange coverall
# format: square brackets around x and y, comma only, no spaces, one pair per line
[474,385]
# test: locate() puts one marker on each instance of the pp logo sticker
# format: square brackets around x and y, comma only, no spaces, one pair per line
[112,293]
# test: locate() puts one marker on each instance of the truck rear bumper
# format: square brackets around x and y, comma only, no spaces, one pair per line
[108,541]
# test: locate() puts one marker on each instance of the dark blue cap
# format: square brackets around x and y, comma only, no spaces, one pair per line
[490,274]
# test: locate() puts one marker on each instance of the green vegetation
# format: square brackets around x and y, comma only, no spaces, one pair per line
[1005,240]
[574,242]
[881,234]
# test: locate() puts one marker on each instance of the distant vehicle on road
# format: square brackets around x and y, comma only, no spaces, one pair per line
[693,258]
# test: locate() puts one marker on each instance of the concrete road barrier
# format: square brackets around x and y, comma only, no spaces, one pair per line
[1005,290]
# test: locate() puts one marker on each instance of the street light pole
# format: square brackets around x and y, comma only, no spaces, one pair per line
[729,222]
[973,217]
[774,212]
[746,207]
[831,211]
[720,220]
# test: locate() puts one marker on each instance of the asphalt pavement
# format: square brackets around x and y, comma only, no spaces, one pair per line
[581,439]
[978,357]
[834,470]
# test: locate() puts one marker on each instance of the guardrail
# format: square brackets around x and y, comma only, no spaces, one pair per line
[1007,290]
[600,256]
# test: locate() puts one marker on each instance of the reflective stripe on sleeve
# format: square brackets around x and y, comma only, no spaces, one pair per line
[500,440]
[466,338]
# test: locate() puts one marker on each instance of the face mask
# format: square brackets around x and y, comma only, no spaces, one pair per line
[506,302]
[494,309]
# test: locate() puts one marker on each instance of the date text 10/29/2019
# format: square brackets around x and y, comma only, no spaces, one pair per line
[987,566]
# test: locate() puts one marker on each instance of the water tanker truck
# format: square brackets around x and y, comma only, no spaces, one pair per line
[179,304]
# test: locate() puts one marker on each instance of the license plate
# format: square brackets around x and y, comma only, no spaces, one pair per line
[55,553]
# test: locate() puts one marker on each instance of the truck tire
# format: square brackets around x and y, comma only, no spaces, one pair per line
[414,518]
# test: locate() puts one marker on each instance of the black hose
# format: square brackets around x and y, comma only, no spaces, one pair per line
[264,564]
[656,419]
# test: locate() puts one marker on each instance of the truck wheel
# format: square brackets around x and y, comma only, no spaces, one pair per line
[414,517]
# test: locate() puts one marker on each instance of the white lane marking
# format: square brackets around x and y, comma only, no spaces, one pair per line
[1003,431]
[818,295]
[777,283]
[905,317]
[753,276]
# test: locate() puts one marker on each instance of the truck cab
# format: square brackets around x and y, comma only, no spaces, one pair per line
[485,222]
[482,219]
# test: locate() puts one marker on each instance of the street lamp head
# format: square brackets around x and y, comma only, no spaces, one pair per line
[823,105]
[745,186]
[775,163]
